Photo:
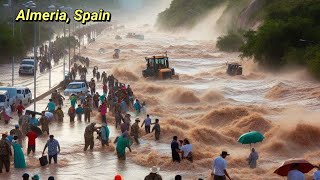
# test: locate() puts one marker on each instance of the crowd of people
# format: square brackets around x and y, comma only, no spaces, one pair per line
[117,99]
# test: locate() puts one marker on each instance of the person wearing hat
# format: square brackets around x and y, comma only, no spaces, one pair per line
[105,132]
[219,167]
[17,132]
[135,130]
[5,153]
[25,176]
[53,149]
[153,174]
[88,136]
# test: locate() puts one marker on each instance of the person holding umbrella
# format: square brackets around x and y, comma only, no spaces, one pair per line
[294,169]
[294,173]
[252,159]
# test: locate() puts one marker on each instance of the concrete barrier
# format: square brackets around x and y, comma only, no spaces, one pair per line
[48,92]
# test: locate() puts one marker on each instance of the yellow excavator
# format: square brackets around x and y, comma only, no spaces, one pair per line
[158,68]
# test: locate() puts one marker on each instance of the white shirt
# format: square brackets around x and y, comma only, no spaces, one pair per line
[218,166]
[186,149]
[316,175]
[295,175]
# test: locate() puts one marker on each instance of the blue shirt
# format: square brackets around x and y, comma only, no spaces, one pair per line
[147,122]
[52,147]
[79,110]
[33,122]
[51,106]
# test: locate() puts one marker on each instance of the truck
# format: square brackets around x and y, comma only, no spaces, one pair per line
[4,99]
[234,69]
[12,91]
[27,66]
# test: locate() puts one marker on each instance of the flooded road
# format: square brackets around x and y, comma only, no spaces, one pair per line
[205,105]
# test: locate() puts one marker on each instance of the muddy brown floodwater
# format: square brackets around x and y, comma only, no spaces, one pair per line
[205,105]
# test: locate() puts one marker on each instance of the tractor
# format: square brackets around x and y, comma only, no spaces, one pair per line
[234,69]
[158,68]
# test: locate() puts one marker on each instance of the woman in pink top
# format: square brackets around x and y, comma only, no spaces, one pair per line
[103,112]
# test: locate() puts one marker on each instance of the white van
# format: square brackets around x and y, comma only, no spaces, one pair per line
[12,94]
[24,94]
[4,99]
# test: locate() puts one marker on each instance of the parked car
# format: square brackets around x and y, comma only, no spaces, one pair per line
[4,99]
[76,87]
[12,94]
[27,66]
[24,94]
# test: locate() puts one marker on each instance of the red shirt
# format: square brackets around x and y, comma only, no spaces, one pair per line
[20,108]
[32,138]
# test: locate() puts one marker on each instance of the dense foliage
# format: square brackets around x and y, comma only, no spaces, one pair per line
[185,13]
[289,35]
[22,41]
[230,42]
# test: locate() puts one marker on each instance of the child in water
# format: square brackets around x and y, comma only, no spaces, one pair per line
[60,114]
[79,112]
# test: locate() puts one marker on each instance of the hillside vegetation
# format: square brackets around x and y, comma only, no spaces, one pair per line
[290,34]
[185,13]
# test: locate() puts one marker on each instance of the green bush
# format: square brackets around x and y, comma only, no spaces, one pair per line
[230,43]
[289,31]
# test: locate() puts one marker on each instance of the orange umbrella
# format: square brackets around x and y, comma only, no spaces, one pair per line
[304,166]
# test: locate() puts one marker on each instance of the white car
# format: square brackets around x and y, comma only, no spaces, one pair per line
[76,87]
[24,94]
[27,66]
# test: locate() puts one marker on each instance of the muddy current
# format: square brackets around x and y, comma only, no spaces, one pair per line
[205,105]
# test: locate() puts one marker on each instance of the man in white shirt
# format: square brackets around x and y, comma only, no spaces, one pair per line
[219,167]
[316,175]
[295,174]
